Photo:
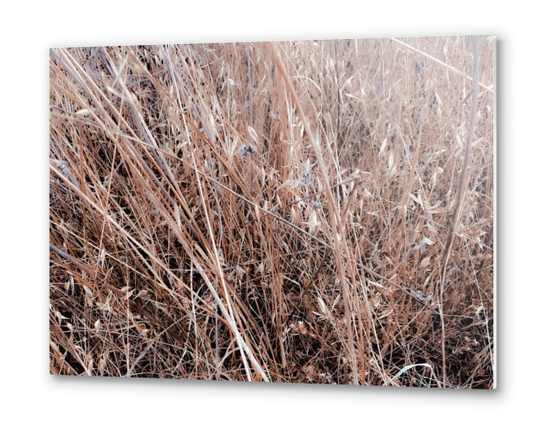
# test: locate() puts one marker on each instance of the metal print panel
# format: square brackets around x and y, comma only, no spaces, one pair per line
[295,212]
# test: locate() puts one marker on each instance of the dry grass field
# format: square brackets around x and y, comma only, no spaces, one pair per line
[300,212]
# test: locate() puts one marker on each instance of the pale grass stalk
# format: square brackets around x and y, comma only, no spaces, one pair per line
[335,217]
[460,196]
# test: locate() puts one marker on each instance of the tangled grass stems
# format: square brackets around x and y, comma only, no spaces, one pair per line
[274,212]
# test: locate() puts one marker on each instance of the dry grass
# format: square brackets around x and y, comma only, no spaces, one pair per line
[274,212]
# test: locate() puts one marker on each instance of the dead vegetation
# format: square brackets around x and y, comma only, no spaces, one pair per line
[274,212]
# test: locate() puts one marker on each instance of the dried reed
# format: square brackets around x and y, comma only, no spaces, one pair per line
[312,211]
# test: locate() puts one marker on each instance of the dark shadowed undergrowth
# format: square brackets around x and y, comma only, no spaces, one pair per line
[311,212]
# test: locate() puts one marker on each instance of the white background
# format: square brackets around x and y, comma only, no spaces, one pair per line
[29,29]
